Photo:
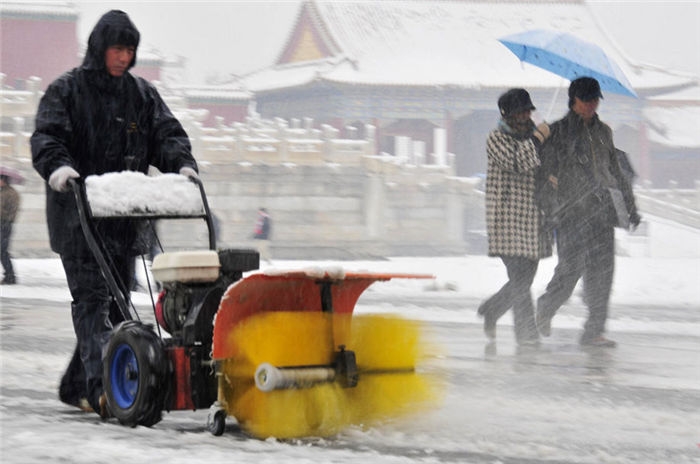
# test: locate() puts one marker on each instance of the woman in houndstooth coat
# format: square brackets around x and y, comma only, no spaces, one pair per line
[514,222]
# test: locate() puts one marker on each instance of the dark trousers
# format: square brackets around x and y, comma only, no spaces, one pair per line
[516,294]
[94,313]
[585,249]
[5,258]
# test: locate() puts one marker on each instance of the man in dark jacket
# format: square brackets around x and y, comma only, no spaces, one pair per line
[580,161]
[95,119]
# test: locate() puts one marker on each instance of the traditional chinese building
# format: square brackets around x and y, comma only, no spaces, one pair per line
[411,67]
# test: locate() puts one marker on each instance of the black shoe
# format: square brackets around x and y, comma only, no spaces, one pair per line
[544,323]
[599,341]
[77,402]
[490,326]
[71,394]
[104,412]
[490,349]
[528,346]
[80,403]
[8,281]
[483,309]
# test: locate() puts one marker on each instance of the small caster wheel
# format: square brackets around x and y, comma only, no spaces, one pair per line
[216,421]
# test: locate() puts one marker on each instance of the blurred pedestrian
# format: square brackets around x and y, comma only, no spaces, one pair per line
[582,164]
[263,234]
[514,221]
[95,119]
[9,204]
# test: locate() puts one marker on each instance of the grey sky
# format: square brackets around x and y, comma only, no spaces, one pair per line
[228,37]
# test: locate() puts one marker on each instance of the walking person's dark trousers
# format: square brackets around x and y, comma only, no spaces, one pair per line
[5,234]
[586,248]
[516,294]
[94,314]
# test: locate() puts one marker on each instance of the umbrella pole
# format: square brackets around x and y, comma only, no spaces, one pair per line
[554,100]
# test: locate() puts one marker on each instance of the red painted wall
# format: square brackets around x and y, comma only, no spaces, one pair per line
[231,112]
[37,47]
[148,72]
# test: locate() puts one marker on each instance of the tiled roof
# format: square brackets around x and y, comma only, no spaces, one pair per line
[217,93]
[450,43]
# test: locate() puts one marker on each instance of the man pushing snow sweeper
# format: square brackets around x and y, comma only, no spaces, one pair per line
[98,129]
[95,119]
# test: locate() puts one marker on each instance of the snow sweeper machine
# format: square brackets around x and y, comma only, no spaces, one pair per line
[279,351]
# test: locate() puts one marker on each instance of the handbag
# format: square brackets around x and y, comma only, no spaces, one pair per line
[612,197]
[619,215]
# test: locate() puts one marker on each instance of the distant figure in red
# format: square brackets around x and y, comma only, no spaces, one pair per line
[262,234]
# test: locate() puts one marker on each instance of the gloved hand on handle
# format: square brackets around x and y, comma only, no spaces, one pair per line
[189,172]
[58,180]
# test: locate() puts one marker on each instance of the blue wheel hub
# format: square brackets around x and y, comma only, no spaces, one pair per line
[124,375]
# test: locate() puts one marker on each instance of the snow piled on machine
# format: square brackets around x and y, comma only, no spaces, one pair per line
[319,272]
[130,193]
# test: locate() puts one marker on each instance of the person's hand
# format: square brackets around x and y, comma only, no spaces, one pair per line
[58,180]
[189,172]
[635,219]
[542,131]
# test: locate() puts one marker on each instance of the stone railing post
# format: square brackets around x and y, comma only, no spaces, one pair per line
[328,133]
[672,187]
[34,86]
[370,136]
[374,205]
[308,124]
[18,139]
[194,130]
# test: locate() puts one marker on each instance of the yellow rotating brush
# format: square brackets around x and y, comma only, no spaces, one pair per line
[295,354]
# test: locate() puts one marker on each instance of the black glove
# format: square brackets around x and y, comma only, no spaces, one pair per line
[635,219]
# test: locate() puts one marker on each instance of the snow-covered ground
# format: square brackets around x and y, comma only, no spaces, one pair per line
[638,403]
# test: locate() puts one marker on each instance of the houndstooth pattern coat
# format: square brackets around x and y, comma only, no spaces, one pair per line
[513,220]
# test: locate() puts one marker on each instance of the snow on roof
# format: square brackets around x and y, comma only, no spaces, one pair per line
[217,92]
[67,9]
[150,56]
[674,126]
[130,193]
[674,118]
[687,94]
[443,43]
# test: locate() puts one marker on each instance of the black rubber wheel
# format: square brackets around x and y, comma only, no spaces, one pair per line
[135,375]
[216,422]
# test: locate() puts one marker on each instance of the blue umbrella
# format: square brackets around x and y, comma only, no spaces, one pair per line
[568,56]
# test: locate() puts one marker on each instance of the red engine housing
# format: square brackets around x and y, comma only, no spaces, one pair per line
[181,397]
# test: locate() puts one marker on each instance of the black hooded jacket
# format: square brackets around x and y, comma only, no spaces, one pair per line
[97,123]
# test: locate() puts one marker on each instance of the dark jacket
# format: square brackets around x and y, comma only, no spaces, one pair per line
[97,123]
[583,158]
[9,204]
